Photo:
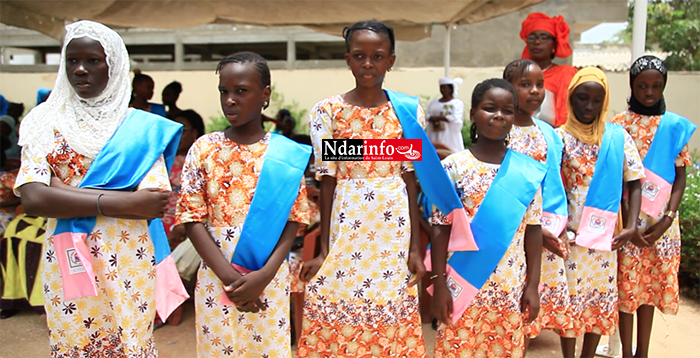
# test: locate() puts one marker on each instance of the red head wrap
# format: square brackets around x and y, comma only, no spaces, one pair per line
[555,26]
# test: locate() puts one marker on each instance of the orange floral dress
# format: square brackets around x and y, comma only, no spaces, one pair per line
[219,179]
[493,324]
[119,321]
[649,275]
[591,274]
[295,262]
[554,292]
[359,304]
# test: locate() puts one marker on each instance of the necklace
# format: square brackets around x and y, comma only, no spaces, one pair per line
[548,67]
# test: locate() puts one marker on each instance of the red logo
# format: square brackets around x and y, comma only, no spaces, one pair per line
[392,150]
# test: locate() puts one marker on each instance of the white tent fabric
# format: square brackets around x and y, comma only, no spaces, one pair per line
[410,18]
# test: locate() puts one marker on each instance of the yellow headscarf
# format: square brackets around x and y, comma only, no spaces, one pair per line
[591,133]
[588,133]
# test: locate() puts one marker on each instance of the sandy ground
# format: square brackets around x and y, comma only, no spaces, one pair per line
[25,336]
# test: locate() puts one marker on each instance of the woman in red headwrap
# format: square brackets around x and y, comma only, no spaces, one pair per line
[548,37]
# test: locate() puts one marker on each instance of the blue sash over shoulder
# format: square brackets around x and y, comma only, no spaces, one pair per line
[121,165]
[509,196]
[555,210]
[432,176]
[275,193]
[671,136]
[599,215]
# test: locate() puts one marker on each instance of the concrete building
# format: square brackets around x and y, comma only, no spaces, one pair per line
[491,43]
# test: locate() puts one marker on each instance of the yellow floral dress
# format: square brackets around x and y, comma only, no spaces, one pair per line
[359,304]
[492,325]
[591,274]
[218,182]
[118,322]
[649,276]
[554,293]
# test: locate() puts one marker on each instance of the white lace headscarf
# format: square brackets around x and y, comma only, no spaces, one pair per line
[85,123]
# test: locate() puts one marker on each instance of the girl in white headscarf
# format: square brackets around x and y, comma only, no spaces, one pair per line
[60,140]
[445,116]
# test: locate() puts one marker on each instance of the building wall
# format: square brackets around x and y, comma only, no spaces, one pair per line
[497,41]
[309,86]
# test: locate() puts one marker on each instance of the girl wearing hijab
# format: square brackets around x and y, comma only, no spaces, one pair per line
[445,116]
[598,159]
[546,38]
[105,249]
[648,271]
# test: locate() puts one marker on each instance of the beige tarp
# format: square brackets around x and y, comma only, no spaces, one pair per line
[409,18]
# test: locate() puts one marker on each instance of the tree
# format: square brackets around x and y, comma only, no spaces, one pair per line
[672,26]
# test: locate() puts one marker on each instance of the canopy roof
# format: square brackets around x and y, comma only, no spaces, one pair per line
[408,17]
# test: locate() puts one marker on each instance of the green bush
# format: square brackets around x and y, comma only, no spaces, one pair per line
[689,273]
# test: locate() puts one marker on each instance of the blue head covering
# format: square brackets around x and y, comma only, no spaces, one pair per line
[41,95]
[3,105]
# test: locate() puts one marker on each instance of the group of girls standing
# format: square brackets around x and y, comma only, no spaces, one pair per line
[243,197]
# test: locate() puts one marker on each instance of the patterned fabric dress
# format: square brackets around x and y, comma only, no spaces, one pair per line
[7,182]
[591,274]
[492,325]
[649,276]
[359,304]
[218,183]
[175,176]
[554,293]
[118,322]
[295,262]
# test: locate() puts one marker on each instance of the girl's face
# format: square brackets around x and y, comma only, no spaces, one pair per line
[530,89]
[587,101]
[86,66]
[648,87]
[144,88]
[540,45]
[189,134]
[495,114]
[242,93]
[369,57]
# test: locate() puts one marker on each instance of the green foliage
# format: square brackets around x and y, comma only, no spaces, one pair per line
[672,26]
[689,273]
[277,102]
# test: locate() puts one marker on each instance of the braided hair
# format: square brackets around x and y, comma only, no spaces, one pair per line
[369,25]
[244,57]
[478,95]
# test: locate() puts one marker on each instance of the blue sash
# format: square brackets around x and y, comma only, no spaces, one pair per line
[122,164]
[141,135]
[599,216]
[432,176]
[553,193]
[671,136]
[509,196]
[605,192]
[158,109]
[283,167]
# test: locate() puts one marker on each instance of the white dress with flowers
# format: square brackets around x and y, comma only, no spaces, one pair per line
[118,322]
[359,304]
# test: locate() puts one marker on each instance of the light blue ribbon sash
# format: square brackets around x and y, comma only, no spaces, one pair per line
[599,216]
[275,193]
[672,134]
[432,176]
[121,165]
[509,196]
[554,204]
